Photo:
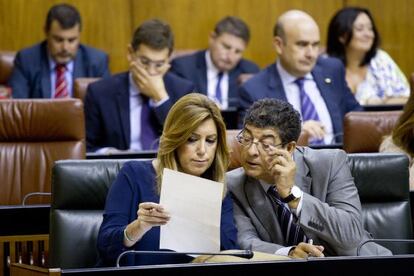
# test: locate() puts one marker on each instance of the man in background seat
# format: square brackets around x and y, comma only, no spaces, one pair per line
[48,69]
[218,70]
[127,110]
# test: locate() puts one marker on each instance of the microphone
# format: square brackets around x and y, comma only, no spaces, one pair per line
[247,254]
[382,240]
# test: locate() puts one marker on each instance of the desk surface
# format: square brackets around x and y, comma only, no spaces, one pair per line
[391,265]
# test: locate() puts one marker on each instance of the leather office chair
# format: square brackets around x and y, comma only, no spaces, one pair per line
[34,134]
[364,131]
[6,67]
[80,188]
[81,86]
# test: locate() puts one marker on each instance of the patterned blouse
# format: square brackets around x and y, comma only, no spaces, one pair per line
[384,79]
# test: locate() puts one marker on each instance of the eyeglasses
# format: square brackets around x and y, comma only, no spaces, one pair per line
[147,63]
[264,144]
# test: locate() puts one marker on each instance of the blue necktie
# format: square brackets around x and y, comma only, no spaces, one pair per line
[307,107]
[148,132]
[292,232]
[218,88]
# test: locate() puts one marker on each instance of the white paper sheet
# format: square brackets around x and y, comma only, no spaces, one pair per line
[194,204]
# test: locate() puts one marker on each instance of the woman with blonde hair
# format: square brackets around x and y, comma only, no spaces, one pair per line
[193,142]
[402,138]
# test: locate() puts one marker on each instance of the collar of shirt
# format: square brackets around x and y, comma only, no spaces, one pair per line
[287,78]
[52,65]
[133,88]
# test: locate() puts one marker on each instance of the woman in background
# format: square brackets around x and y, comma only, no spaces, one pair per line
[402,138]
[193,142]
[372,75]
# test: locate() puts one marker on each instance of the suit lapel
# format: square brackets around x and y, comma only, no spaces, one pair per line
[325,85]
[202,72]
[261,205]
[122,98]
[275,84]
[302,179]
[45,81]
[79,68]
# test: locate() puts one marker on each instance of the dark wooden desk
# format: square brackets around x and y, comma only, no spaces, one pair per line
[393,265]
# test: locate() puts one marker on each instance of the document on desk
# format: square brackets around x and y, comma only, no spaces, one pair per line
[194,204]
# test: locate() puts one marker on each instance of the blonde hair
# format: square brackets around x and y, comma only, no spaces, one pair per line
[186,115]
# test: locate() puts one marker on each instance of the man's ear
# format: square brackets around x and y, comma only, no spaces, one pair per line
[278,44]
[291,146]
[130,52]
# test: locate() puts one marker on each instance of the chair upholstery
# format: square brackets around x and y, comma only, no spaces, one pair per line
[80,188]
[34,134]
[364,131]
[6,65]
[81,86]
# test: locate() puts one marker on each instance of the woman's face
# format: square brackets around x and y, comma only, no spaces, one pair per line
[197,154]
[363,34]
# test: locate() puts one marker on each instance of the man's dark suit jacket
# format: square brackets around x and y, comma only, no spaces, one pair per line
[107,113]
[194,68]
[31,73]
[329,75]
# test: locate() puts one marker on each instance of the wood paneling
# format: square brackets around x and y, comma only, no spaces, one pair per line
[394,20]
[108,24]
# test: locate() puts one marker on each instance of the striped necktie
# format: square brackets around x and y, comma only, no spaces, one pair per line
[61,86]
[219,96]
[292,232]
[307,108]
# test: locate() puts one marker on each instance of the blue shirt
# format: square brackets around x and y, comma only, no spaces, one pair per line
[134,184]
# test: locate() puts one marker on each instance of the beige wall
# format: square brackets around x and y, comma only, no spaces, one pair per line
[108,24]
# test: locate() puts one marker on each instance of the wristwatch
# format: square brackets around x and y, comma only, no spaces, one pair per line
[295,193]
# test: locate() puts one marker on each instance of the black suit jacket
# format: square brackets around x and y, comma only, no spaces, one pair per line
[107,114]
[194,68]
[31,73]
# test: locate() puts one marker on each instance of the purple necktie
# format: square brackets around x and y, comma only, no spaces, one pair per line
[148,132]
[218,88]
[292,232]
[307,107]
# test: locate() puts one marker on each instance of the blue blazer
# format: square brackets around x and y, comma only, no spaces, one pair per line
[338,98]
[107,114]
[31,73]
[134,184]
[194,68]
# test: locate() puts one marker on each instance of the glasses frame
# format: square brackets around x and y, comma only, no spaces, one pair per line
[259,143]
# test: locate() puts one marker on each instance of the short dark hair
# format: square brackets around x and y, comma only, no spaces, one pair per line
[278,30]
[66,15]
[154,33]
[276,114]
[234,26]
[341,25]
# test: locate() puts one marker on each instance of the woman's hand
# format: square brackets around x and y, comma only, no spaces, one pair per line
[150,214]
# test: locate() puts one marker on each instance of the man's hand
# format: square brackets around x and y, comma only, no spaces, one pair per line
[283,168]
[305,250]
[151,86]
[314,129]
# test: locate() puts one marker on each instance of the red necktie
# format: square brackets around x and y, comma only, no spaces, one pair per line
[61,87]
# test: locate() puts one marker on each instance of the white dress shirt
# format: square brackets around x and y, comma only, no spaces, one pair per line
[312,90]
[212,78]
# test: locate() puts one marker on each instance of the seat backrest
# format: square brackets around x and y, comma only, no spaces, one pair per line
[33,134]
[364,130]
[6,65]
[80,188]
[383,187]
[81,86]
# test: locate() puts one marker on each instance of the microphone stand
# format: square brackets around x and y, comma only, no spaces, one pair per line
[248,254]
[382,240]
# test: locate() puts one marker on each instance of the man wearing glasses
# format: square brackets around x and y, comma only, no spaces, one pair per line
[127,111]
[291,200]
